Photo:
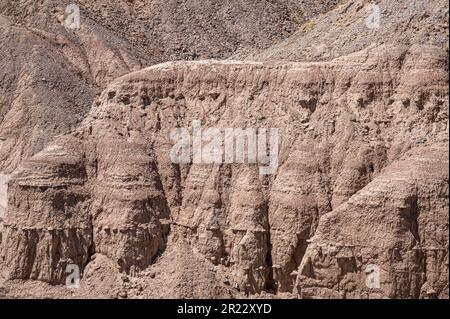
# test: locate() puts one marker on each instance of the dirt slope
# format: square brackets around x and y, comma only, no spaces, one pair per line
[355,25]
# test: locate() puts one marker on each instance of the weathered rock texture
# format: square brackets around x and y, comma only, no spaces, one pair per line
[363,179]
[50,74]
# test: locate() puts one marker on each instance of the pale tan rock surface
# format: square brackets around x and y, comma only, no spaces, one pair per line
[363,179]
[50,74]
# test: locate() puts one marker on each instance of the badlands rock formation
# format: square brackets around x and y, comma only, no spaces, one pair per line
[362,181]
[50,74]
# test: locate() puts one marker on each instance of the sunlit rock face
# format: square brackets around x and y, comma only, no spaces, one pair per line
[362,180]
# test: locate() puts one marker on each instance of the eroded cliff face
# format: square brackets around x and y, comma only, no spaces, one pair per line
[398,222]
[50,73]
[362,180]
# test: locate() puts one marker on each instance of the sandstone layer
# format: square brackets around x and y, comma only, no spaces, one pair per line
[362,180]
